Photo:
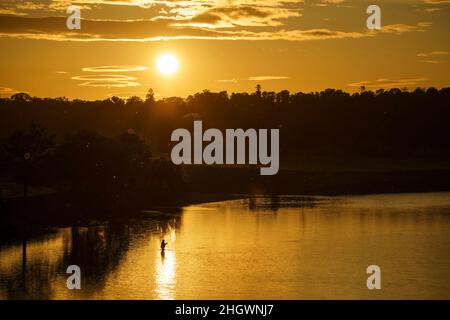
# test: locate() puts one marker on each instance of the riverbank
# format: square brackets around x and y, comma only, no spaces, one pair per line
[298,176]
[248,181]
[217,184]
[63,209]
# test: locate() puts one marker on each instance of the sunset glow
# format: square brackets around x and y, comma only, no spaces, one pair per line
[167,64]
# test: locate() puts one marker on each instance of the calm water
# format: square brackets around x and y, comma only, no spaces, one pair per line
[259,248]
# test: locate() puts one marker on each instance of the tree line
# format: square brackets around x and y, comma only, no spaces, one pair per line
[374,123]
[118,148]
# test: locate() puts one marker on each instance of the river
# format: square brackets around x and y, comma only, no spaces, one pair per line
[254,248]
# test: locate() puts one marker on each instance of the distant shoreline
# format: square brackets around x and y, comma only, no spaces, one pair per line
[318,182]
[210,184]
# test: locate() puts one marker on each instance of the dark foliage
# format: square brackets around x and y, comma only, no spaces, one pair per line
[382,123]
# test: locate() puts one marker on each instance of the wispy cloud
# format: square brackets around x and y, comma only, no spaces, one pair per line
[402,28]
[54,28]
[9,11]
[433,53]
[228,80]
[236,16]
[327,3]
[430,57]
[115,68]
[255,78]
[28,5]
[7,92]
[430,61]
[108,81]
[436,1]
[267,78]
[390,83]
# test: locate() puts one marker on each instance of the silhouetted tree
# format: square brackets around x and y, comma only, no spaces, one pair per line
[25,148]
[150,97]
[21,97]
[258,90]
[385,123]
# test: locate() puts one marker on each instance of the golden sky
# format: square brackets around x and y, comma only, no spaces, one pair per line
[228,45]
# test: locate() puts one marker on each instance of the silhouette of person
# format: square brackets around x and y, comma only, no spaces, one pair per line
[163,245]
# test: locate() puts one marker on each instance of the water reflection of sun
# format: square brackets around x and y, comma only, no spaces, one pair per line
[165,273]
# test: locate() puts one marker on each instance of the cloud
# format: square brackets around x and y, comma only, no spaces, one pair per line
[54,28]
[177,3]
[326,3]
[8,11]
[429,61]
[233,16]
[402,28]
[257,78]
[436,1]
[27,5]
[228,81]
[433,53]
[430,56]
[24,8]
[390,83]
[430,10]
[63,4]
[180,8]
[7,92]
[108,81]
[438,53]
[115,68]
[266,78]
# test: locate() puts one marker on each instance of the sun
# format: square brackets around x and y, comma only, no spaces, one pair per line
[167,64]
